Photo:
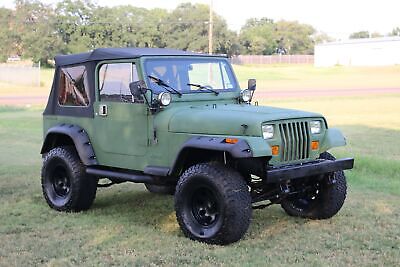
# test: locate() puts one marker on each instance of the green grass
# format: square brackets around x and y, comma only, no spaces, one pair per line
[292,77]
[129,226]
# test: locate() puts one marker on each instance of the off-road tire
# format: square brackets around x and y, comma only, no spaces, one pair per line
[65,184]
[226,200]
[328,201]
[160,189]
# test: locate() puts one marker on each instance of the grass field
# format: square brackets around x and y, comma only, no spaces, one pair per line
[290,77]
[129,226]
[270,78]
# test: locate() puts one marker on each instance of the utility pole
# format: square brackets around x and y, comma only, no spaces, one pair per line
[210,30]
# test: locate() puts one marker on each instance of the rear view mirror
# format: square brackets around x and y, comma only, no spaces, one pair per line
[252,84]
[137,88]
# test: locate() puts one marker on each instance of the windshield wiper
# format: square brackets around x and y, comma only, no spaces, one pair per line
[204,87]
[163,84]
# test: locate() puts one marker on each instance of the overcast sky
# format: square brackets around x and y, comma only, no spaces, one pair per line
[338,18]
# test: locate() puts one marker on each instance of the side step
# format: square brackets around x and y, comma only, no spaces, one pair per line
[122,176]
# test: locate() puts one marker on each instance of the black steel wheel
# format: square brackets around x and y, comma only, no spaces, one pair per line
[322,198]
[204,206]
[213,204]
[65,185]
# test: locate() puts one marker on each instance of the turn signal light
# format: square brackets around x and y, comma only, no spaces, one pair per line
[231,140]
[275,150]
[314,145]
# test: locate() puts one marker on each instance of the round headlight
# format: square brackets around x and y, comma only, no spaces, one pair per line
[245,95]
[315,127]
[268,131]
[164,98]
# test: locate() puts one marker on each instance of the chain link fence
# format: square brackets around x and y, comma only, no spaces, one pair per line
[274,59]
[20,74]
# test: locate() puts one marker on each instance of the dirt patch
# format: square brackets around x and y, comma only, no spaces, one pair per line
[22,100]
[260,94]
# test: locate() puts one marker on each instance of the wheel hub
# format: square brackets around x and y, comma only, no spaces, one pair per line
[61,182]
[204,207]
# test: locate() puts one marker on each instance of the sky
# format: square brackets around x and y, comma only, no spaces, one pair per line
[337,18]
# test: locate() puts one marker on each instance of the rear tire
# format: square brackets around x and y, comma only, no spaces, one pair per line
[160,189]
[213,204]
[326,200]
[65,184]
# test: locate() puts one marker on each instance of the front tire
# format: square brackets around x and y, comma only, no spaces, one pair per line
[213,204]
[324,201]
[65,184]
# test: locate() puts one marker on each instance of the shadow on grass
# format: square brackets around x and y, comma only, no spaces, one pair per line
[157,212]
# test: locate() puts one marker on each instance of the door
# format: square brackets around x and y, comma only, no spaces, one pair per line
[121,121]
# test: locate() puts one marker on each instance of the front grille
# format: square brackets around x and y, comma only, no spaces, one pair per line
[295,140]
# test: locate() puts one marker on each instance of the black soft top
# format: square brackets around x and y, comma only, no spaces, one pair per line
[121,53]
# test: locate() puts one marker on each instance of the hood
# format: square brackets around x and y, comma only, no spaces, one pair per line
[229,119]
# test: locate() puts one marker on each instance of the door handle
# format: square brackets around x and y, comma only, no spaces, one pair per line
[103,110]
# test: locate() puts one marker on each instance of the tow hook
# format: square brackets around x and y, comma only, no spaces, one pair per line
[331,179]
[284,189]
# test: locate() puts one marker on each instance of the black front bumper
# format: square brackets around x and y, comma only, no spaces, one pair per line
[288,172]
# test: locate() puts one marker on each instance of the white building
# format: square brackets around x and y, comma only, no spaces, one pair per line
[382,51]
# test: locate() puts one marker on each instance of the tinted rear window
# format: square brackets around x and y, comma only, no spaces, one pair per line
[73,87]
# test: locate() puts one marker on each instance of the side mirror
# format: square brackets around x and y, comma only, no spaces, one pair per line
[137,88]
[252,84]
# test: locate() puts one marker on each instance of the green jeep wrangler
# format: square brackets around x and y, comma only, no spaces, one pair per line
[179,123]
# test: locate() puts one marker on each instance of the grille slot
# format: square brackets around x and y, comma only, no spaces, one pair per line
[295,140]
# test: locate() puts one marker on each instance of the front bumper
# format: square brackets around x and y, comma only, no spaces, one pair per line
[289,172]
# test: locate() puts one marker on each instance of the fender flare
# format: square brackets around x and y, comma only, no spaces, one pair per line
[78,135]
[241,149]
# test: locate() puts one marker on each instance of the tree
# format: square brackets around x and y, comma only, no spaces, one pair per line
[72,22]
[6,37]
[359,35]
[36,32]
[321,37]
[395,32]
[295,37]
[266,37]
[257,37]
[186,27]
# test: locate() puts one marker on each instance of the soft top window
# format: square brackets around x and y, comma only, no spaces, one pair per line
[114,79]
[73,87]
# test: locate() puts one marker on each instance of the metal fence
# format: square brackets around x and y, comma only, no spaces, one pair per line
[20,74]
[275,59]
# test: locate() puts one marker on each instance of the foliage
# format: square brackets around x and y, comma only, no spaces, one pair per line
[257,37]
[321,37]
[359,35]
[36,38]
[39,31]
[295,37]
[84,26]
[395,32]
[187,28]
[6,35]
[266,37]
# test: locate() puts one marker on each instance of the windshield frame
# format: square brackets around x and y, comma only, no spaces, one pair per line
[157,89]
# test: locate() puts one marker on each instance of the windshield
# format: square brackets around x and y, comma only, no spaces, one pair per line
[188,75]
